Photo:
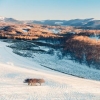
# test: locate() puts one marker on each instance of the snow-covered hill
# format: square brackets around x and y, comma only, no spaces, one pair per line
[9,20]
[14,69]
[2,18]
[51,58]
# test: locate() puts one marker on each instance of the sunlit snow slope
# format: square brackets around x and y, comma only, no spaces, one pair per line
[14,69]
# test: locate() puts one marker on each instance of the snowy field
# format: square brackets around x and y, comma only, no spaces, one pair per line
[14,69]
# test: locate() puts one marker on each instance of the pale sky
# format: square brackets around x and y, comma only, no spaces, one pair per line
[50,9]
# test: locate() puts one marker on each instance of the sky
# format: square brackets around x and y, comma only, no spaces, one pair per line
[50,9]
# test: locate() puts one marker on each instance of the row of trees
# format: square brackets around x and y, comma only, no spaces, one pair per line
[84,50]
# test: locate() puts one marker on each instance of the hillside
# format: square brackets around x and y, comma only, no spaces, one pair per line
[14,69]
[79,45]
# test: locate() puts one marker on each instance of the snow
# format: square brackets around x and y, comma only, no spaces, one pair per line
[95,37]
[58,86]
[64,65]
[24,30]
[2,18]
[56,31]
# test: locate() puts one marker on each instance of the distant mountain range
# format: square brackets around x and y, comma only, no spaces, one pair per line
[4,19]
[10,20]
[83,23]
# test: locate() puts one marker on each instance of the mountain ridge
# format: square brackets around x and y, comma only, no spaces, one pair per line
[83,23]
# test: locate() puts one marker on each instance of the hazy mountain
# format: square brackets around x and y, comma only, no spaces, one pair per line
[83,23]
[10,20]
[73,22]
[93,23]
